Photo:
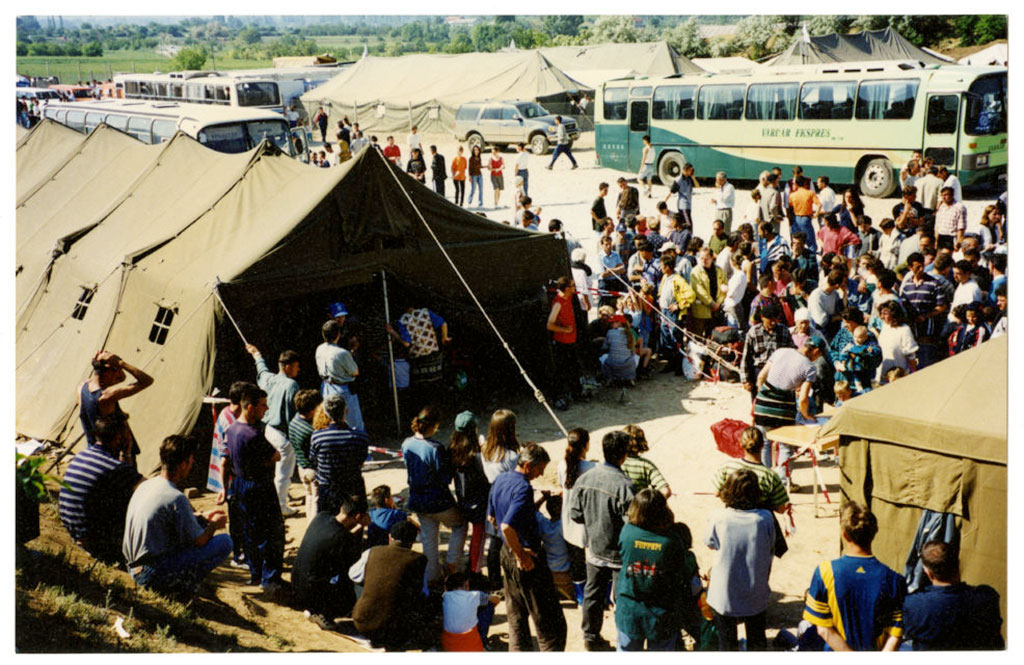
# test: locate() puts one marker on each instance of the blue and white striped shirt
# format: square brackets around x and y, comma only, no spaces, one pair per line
[94,505]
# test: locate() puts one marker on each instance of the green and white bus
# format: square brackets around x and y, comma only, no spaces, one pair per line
[856,123]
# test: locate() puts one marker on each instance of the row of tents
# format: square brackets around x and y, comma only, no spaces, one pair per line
[132,248]
[393,94]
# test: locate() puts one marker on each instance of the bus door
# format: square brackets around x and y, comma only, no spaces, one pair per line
[639,125]
[940,129]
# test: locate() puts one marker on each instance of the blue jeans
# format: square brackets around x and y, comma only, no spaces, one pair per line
[785,452]
[262,530]
[484,618]
[182,571]
[354,416]
[803,223]
[625,643]
[476,185]
[525,175]
[560,149]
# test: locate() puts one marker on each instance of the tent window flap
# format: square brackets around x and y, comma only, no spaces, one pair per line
[162,324]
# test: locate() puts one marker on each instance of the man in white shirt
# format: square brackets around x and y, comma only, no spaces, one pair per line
[724,258]
[967,290]
[523,166]
[949,180]
[358,142]
[414,141]
[824,304]
[724,200]
[928,189]
[827,197]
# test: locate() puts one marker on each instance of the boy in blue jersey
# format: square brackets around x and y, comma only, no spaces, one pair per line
[855,601]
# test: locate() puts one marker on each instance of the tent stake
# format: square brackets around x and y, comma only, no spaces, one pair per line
[391,354]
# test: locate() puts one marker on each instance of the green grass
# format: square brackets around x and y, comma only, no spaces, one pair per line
[66,68]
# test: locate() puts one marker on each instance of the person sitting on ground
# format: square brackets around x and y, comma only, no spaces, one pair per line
[101,394]
[383,515]
[166,546]
[640,470]
[949,615]
[332,543]
[391,610]
[855,601]
[467,615]
[97,488]
[744,536]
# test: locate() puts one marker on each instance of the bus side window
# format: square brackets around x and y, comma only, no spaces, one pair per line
[117,121]
[720,102]
[163,130]
[76,120]
[139,128]
[673,102]
[92,121]
[827,101]
[615,103]
[177,91]
[772,101]
[942,114]
[223,93]
[886,100]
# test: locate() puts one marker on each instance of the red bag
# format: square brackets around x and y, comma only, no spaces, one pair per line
[727,436]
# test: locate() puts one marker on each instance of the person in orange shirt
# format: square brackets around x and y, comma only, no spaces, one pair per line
[803,201]
[459,177]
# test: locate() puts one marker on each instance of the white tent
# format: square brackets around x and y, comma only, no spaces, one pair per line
[997,54]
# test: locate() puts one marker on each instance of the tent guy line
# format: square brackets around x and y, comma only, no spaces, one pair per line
[538,395]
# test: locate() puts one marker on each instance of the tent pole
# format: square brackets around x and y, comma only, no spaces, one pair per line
[391,353]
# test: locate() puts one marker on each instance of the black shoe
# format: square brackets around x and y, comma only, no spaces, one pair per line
[321,622]
[598,645]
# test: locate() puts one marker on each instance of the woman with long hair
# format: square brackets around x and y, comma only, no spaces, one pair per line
[573,465]
[500,453]
[990,229]
[851,208]
[429,469]
[899,348]
[471,488]
[476,177]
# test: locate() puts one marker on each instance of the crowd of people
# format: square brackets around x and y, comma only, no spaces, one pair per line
[817,306]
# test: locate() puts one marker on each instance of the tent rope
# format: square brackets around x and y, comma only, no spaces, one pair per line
[216,292]
[708,344]
[537,394]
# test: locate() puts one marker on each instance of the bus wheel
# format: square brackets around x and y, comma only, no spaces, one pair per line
[670,167]
[877,179]
[538,144]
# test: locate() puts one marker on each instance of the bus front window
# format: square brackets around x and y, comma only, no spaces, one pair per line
[228,138]
[276,131]
[259,93]
[986,106]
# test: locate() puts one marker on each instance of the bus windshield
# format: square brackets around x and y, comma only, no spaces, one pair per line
[258,93]
[986,106]
[230,137]
[276,131]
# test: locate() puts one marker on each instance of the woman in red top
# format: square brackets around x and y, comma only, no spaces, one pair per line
[562,323]
[459,177]
[833,237]
[497,164]
[476,179]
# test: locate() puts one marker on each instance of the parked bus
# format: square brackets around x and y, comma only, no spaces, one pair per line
[76,91]
[856,123]
[222,129]
[202,88]
[292,81]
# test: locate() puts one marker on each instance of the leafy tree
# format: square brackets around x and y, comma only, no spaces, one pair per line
[618,29]
[755,33]
[94,49]
[73,48]
[249,35]
[460,43]
[686,39]
[21,49]
[189,58]
[823,25]
[990,26]
[562,25]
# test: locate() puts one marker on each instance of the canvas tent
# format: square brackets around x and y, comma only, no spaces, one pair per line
[594,64]
[997,54]
[884,44]
[392,94]
[273,231]
[934,441]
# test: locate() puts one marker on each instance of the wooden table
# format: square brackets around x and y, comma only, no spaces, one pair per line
[805,439]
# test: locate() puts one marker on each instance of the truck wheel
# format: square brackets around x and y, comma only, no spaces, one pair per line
[475,140]
[877,180]
[670,167]
[538,144]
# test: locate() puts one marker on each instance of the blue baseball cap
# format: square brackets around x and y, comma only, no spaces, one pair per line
[338,309]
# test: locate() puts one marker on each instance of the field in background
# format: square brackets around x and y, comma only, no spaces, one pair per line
[67,68]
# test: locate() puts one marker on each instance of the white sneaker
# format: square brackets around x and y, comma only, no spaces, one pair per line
[288,511]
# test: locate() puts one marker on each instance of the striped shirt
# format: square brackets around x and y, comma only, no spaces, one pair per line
[773,492]
[337,453]
[923,298]
[643,473]
[225,419]
[93,506]
[300,431]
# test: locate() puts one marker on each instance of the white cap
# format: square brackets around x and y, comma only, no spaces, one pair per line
[578,254]
[667,246]
[802,314]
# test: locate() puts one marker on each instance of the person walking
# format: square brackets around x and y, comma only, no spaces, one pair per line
[523,167]
[646,174]
[459,177]
[476,178]
[562,144]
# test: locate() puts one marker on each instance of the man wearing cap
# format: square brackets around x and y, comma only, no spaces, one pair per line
[338,369]
[642,265]
[762,340]
[281,389]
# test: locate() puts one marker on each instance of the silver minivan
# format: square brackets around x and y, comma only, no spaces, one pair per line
[510,122]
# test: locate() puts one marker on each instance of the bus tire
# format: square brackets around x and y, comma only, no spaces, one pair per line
[538,144]
[475,140]
[877,179]
[670,166]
